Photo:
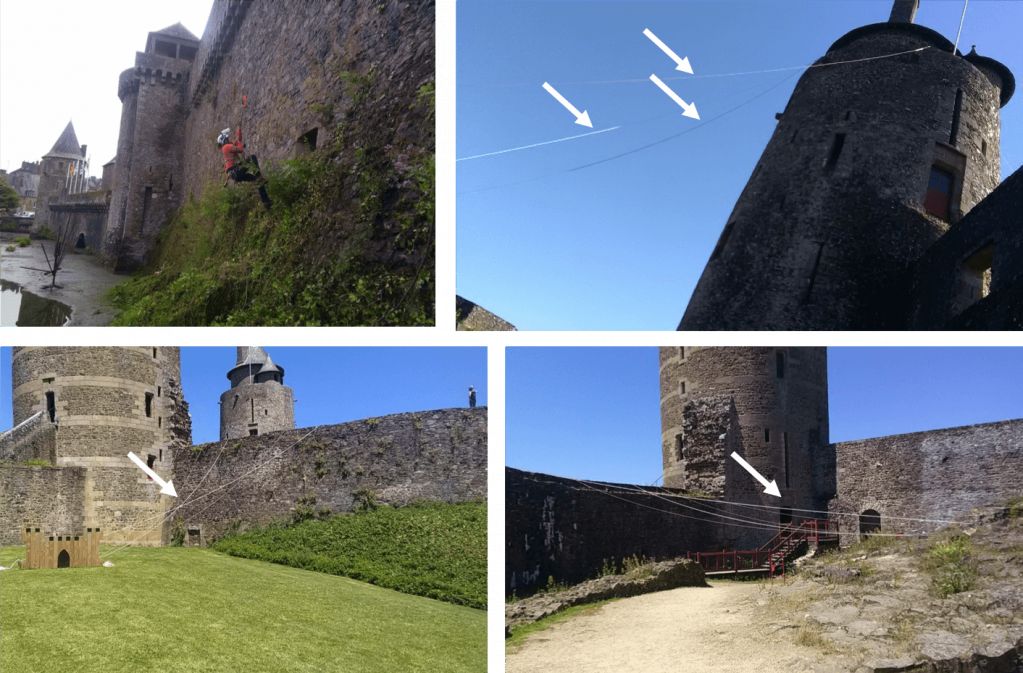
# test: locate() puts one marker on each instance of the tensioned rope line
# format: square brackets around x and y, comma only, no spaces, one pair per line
[626,81]
[656,142]
[639,491]
[814,511]
[194,498]
[777,507]
[540,144]
[736,525]
[962,19]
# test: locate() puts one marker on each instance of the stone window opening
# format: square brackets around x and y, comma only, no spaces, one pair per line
[722,241]
[252,411]
[154,353]
[187,53]
[253,432]
[158,391]
[779,364]
[870,522]
[149,405]
[682,388]
[168,49]
[785,515]
[235,403]
[682,353]
[938,199]
[150,462]
[983,147]
[159,421]
[974,279]
[161,455]
[767,435]
[194,537]
[953,135]
[785,455]
[51,406]
[836,151]
[307,142]
[680,446]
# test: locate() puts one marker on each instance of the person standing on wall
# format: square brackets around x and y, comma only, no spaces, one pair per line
[236,167]
[472,397]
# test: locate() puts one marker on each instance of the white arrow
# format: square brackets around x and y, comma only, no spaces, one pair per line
[681,64]
[581,118]
[165,486]
[770,488]
[689,110]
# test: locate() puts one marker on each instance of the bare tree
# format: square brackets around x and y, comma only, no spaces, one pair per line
[62,243]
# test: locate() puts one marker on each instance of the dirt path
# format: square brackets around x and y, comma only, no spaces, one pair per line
[691,629]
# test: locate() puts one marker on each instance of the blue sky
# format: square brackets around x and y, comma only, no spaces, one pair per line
[332,385]
[621,245]
[593,412]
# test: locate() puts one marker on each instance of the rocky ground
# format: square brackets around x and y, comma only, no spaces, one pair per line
[885,605]
[952,603]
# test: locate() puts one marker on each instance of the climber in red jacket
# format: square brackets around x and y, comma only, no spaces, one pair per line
[236,167]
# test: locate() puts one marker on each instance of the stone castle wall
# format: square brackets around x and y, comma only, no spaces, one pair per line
[302,69]
[35,438]
[399,459]
[28,492]
[559,528]
[938,474]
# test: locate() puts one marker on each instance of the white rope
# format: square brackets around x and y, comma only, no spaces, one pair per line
[540,144]
[961,20]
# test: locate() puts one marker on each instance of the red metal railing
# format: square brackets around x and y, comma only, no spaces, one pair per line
[773,555]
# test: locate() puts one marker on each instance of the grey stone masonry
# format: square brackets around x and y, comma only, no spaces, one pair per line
[835,212]
[431,455]
[937,474]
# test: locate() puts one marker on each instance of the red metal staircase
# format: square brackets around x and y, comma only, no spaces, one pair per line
[792,540]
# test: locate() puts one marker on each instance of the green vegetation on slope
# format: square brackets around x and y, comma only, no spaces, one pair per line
[435,550]
[179,610]
[349,241]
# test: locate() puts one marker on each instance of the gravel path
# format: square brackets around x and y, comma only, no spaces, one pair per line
[692,629]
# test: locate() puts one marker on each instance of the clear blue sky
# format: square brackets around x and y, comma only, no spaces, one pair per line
[594,412]
[332,385]
[621,245]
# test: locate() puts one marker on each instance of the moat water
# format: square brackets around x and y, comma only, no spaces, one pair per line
[21,308]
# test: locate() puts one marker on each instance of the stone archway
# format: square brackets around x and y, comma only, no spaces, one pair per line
[63,559]
[870,522]
[80,243]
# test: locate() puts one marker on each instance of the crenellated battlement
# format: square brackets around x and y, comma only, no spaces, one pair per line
[51,549]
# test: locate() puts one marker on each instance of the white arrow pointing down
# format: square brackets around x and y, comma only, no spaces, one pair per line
[166,487]
[688,109]
[770,488]
[581,118]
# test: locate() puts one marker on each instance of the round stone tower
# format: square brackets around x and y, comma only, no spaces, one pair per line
[54,171]
[258,402]
[881,149]
[106,402]
[781,404]
[149,145]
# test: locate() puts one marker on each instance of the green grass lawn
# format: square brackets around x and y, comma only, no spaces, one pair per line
[436,550]
[172,610]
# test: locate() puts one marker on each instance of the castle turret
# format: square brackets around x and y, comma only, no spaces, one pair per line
[780,398]
[54,174]
[886,142]
[105,402]
[258,402]
[149,146]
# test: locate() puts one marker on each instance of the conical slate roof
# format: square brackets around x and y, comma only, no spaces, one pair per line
[251,355]
[269,366]
[177,30]
[67,145]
